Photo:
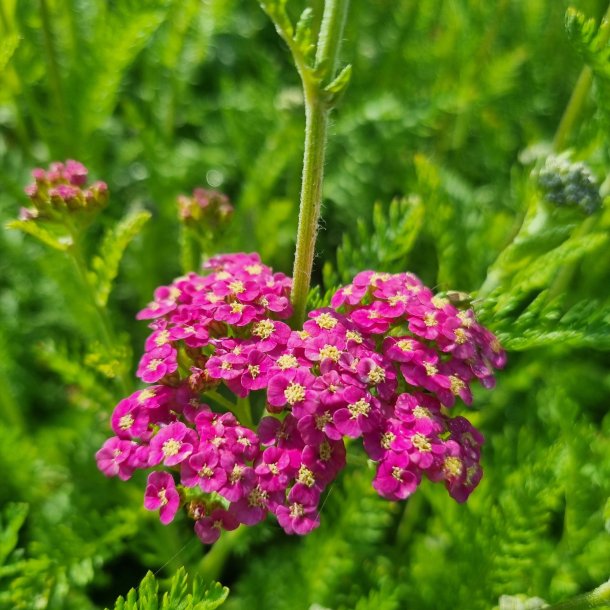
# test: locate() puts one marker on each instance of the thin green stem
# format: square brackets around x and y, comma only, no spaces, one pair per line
[317,111]
[210,567]
[573,109]
[598,598]
[316,124]
[579,94]
[107,334]
[221,400]
[51,53]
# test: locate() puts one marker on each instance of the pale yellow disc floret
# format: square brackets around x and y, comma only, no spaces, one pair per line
[397,473]
[237,287]
[452,467]
[237,307]
[205,471]
[430,369]
[430,319]
[421,442]
[376,375]
[306,476]
[126,422]
[387,438]
[360,407]
[258,498]
[144,395]
[330,351]
[457,385]
[460,336]
[439,302]
[171,447]
[353,335]
[255,269]
[153,364]
[294,393]
[420,412]
[236,473]
[326,451]
[263,329]
[405,345]
[162,497]
[254,370]
[287,361]
[296,510]
[162,338]
[326,321]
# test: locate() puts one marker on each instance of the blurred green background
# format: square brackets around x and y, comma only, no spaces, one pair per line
[448,101]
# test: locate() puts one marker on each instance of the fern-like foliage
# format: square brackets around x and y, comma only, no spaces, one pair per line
[200,597]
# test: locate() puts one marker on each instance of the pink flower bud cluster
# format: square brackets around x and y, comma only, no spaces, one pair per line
[204,209]
[385,363]
[63,188]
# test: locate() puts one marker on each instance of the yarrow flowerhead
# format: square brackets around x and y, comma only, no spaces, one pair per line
[61,189]
[385,362]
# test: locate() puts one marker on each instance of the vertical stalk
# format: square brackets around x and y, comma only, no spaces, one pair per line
[317,110]
[579,94]
[51,53]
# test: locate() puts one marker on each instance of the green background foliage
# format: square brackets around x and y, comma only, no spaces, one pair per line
[430,167]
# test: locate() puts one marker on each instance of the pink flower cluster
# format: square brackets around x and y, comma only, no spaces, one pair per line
[63,187]
[385,363]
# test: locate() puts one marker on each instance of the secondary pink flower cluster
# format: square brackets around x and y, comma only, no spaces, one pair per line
[205,208]
[384,363]
[63,187]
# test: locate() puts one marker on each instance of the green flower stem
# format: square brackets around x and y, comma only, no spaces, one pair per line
[107,335]
[317,110]
[220,399]
[316,124]
[51,52]
[579,95]
[598,598]
[212,563]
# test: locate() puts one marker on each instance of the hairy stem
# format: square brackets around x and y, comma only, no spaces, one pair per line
[317,111]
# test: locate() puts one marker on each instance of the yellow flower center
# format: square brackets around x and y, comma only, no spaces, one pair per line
[387,438]
[430,319]
[306,476]
[421,442]
[162,338]
[466,320]
[353,335]
[430,369]
[263,329]
[294,393]
[126,422]
[330,351]
[460,336]
[453,466]
[397,473]
[376,375]
[171,447]
[287,361]
[457,385]
[236,473]
[325,320]
[254,370]
[296,510]
[205,471]
[144,395]
[322,420]
[162,497]
[405,345]
[360,407]
[154,364]
[420,412]
[257,497]
[439,302]
[326,451]
[253,269]
[237,307]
